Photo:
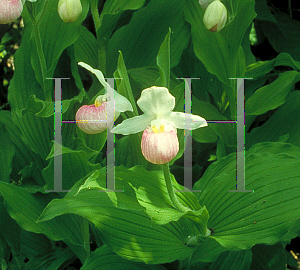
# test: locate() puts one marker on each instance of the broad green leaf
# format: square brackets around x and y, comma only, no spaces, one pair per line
[50,261]
[231,260]
[85,48]
[46,109]
[144,77]
[207,251]
[7,152]
[35,132]
[145,34]
[25,208]
[283,35]
[55,36]
[265,257]
[261,68]
[263,11]
[115,6]
[23,156]
[284,122]
[243,219]
[104,258]
[152,194]
[163,62]
[75,165]
[9,230]
[211,113]
[124,225]
[273,95]
[34,244]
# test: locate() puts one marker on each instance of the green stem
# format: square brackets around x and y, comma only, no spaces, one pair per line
[101,41]
[95,15]
[170,189]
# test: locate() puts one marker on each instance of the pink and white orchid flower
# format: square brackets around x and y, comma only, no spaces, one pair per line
[159,123]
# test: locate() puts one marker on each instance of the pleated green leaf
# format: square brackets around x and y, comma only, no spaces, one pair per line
[124,225]
[7,152]
[145,34]
[24,156]
[261,68]
[75,165]
[268,257]
[25,208]
[243,219]
[104,258]
[283,123]
[50,261]
[273,95]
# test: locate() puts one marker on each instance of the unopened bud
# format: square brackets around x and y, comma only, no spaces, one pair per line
[10,10]
[69,10]
[215,16]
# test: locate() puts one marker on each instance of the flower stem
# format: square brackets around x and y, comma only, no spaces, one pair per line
[101,42]
[170,189]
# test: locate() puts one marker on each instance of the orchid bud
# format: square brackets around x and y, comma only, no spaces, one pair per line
[159,142]
[69,10]
[92,119]
[215,16]
[10,10]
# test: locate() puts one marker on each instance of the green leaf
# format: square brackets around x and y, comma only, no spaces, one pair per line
[23,156]
[163,62]
[207,251]
[261,68]
[263,11]
[152,194]
[268,257]
[9,230]
[124,87]
[7,152]
[51,261]
[116,6]
[25,208]
[210,113]
[146,30]
[231,260]
[242,219]
[283,35]
[273,95]
[124,225]
[85,48]
[282,123]
[75,165]
[104,258]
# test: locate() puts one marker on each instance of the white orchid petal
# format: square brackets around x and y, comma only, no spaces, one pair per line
[185,120]
[133,125]
[122,103]
[156,101]
[97,72]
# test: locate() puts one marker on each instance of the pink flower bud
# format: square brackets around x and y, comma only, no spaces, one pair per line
[92,119]
[10,10]
[160,143]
